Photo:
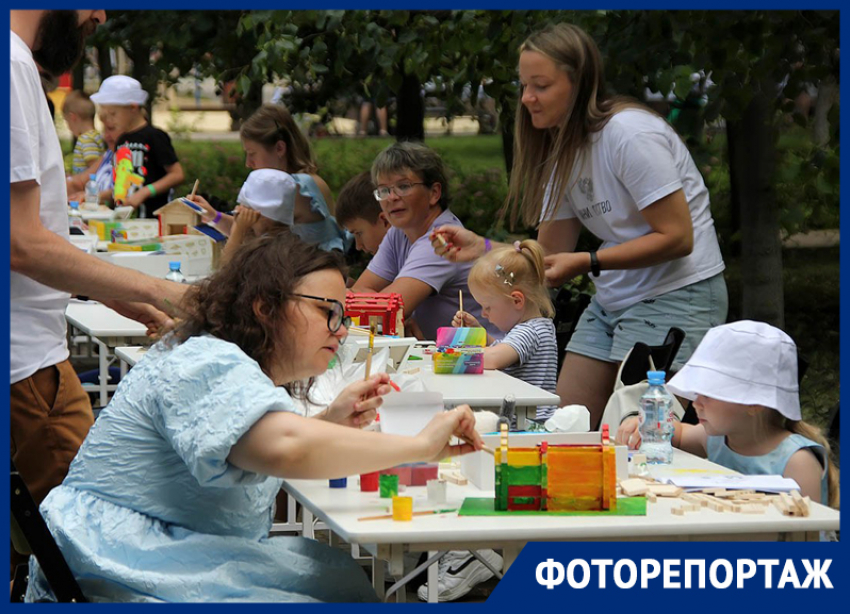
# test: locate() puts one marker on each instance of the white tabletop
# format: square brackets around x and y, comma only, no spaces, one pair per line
[487,389]
[340,509]
[97,320]
[131,354]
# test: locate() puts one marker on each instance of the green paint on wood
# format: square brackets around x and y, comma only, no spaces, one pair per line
[628,506]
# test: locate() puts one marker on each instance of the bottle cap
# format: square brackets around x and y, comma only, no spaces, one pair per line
[174,265]
[92,176]
[74,204]
[656,377]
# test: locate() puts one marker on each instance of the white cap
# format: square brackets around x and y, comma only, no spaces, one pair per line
[271,193]
[120,90]
[746,362]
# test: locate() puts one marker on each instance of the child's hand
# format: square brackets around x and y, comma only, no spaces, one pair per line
[358,403]
[209,210]
[136,198]
[628,433]
[464,318]
[246,218]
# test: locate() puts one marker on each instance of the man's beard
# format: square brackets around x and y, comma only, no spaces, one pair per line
[61,41]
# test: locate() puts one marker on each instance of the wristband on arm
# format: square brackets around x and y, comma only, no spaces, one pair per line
[595,269]
[151,189]
[487,245]
[217,218]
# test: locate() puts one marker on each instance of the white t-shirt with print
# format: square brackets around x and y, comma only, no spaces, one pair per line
[635,160]
[37,312]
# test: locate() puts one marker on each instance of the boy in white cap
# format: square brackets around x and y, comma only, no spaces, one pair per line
[145,163]
[742,379]
[266,201]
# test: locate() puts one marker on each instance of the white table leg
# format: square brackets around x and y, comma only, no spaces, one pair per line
[307,523]
[509,554]
[433,579]
[103,371]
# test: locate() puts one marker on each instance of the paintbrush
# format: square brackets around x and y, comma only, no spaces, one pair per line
[373,329]
[484,448]
[390,516]
[460,301]
[194,189]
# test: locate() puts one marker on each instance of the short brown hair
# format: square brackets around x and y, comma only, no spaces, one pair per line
[357,200]
[77,101]
[267,270]
[417,158]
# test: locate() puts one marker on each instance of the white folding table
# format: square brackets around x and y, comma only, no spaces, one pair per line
[389,540]
[107,329]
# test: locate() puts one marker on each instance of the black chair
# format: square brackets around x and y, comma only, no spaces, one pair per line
[637,364]
[30,535]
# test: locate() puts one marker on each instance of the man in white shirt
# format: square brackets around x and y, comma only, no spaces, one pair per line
[50,412]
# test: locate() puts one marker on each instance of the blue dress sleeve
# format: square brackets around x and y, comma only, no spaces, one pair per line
[327,234]
[213,393]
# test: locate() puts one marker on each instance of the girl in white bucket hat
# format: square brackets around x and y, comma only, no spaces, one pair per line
[742,379]
[266,203]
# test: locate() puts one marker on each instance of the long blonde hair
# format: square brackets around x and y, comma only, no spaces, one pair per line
[517,267]
[272,123]
[810,431]
[544,158]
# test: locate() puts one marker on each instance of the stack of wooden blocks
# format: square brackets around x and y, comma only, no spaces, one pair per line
[717,499]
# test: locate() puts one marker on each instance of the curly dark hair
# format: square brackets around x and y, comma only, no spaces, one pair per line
[264,272]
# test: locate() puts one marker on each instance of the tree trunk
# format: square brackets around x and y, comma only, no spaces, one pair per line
[140,53]
[78,74]
[410,110]
[506,124]
[827,96]
[104,61]
[752,160]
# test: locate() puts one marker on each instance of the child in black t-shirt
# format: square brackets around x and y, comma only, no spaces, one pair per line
[145,163]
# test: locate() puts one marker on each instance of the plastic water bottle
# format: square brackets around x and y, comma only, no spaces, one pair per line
[92,194]
[656,421]
[174,273]
[75,216]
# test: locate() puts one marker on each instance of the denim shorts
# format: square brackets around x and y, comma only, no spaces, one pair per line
[609,335]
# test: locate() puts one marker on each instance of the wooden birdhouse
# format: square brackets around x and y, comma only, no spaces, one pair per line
[177,216]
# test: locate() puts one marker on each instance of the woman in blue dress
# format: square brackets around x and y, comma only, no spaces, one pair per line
[271,139]
[172,493]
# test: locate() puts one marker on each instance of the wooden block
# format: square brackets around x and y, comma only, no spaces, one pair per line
[750,508]
[788,507]
[801,504]
[651,497]
[665,490]
[688,507]
[455,478]
[782,506]
[691,498]
[633,487]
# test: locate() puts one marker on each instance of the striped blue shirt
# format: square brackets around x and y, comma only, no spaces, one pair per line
[535,342]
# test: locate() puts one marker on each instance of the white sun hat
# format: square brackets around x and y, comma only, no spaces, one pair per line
[120,90]
[745,362]
[271,193]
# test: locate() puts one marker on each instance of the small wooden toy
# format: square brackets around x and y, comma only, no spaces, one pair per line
[178,215]
[555,477]
[388,308]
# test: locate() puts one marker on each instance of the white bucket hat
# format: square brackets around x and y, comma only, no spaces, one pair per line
[271,193]
[745,362]
[120,90]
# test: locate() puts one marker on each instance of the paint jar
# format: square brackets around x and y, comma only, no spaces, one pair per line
[437,491]
[338,483]
[369,482]
[402,508]
[388,486]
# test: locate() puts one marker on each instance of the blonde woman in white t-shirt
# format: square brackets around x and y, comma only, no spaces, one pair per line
[612,165]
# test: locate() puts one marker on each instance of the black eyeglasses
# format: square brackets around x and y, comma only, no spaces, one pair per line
[336,314]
